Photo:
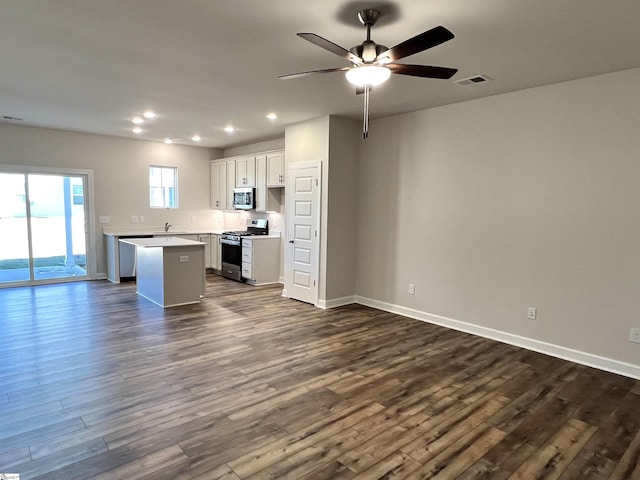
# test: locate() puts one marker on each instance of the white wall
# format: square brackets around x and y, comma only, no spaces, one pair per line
[345,139]
[526,199]
[121,176]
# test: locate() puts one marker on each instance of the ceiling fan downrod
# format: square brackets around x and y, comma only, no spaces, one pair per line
[365,120]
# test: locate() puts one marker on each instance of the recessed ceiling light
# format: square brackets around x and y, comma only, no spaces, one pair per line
[272,116]
[196,138]
[168,140]
[137,120]
[229,129]
[136,130]
[149,114]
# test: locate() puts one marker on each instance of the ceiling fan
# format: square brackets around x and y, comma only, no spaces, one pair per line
[373,64]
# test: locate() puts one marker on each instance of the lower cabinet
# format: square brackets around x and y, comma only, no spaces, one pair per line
[261,260]
[206,239]
[216,252]
[212,253]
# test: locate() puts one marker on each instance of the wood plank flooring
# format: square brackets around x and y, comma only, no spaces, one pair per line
[99,383]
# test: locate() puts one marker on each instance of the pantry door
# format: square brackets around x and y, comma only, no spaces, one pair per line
[303,231]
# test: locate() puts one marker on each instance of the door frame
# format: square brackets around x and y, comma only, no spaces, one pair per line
[91,251]
[288,254]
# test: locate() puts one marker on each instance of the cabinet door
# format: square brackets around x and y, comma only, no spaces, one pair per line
[275,169]
[219,185]
[231,182]
[261,183]
[206,239]
[215,252]
[246,172]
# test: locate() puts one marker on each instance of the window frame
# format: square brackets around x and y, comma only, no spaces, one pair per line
[169,201]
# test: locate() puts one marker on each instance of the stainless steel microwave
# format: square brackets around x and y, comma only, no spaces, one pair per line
[244,198]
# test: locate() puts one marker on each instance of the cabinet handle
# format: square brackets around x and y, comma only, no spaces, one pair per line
[290,241]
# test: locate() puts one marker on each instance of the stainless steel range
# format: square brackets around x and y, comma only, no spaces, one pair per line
[232,247]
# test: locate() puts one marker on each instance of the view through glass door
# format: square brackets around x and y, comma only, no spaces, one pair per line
[42,228]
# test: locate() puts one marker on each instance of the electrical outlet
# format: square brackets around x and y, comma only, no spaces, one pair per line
[531,313]
[634,335]
[104,219]
[412,289]
[141,218]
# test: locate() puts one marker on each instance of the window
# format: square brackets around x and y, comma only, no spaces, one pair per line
[163,187]
[78,194]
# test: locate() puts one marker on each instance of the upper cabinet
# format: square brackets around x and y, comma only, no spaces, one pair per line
[219,185]
[231,182]
[275,169]
[246,171]
[263,171]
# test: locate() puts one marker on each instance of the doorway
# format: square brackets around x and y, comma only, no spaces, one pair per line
[43,227]
[302,254]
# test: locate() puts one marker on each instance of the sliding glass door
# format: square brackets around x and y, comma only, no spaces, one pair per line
[43,233]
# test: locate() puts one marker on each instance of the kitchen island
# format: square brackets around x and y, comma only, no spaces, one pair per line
[169,270]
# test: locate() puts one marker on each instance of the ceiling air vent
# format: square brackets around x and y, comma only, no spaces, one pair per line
[472,80]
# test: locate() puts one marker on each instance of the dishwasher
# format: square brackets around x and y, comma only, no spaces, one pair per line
[127,258]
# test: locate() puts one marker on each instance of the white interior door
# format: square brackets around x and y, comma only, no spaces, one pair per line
[303,232]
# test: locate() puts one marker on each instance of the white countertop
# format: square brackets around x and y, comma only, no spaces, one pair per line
[123,232]
[157,233]
[161,242]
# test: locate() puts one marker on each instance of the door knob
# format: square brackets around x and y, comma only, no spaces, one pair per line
[290,241]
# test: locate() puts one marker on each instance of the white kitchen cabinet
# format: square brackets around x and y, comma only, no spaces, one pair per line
[268,199]
[206,239]
[246,172]
[275,169]
[219,185]
[261,183]
[261,260]
[231,182]
[216,252]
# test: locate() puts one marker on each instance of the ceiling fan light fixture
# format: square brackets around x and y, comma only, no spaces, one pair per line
[371,75]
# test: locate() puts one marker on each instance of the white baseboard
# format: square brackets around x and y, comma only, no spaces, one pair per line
[596,361]
[337,302]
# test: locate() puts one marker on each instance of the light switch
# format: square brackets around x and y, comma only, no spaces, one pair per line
[184,258]
[104,219]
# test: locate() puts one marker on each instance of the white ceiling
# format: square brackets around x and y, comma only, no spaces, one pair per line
[91,65]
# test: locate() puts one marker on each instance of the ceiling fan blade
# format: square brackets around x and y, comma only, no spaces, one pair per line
[330,46]
[313,72]
[417,44]
[422,70]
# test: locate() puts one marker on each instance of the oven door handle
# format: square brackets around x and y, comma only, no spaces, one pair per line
[229,242]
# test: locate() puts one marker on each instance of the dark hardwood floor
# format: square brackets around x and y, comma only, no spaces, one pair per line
[98,383]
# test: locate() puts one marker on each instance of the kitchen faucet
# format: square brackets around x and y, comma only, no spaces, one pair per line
[167,226]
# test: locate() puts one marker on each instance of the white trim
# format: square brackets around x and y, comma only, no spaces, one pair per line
[584,358]
[337,302]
